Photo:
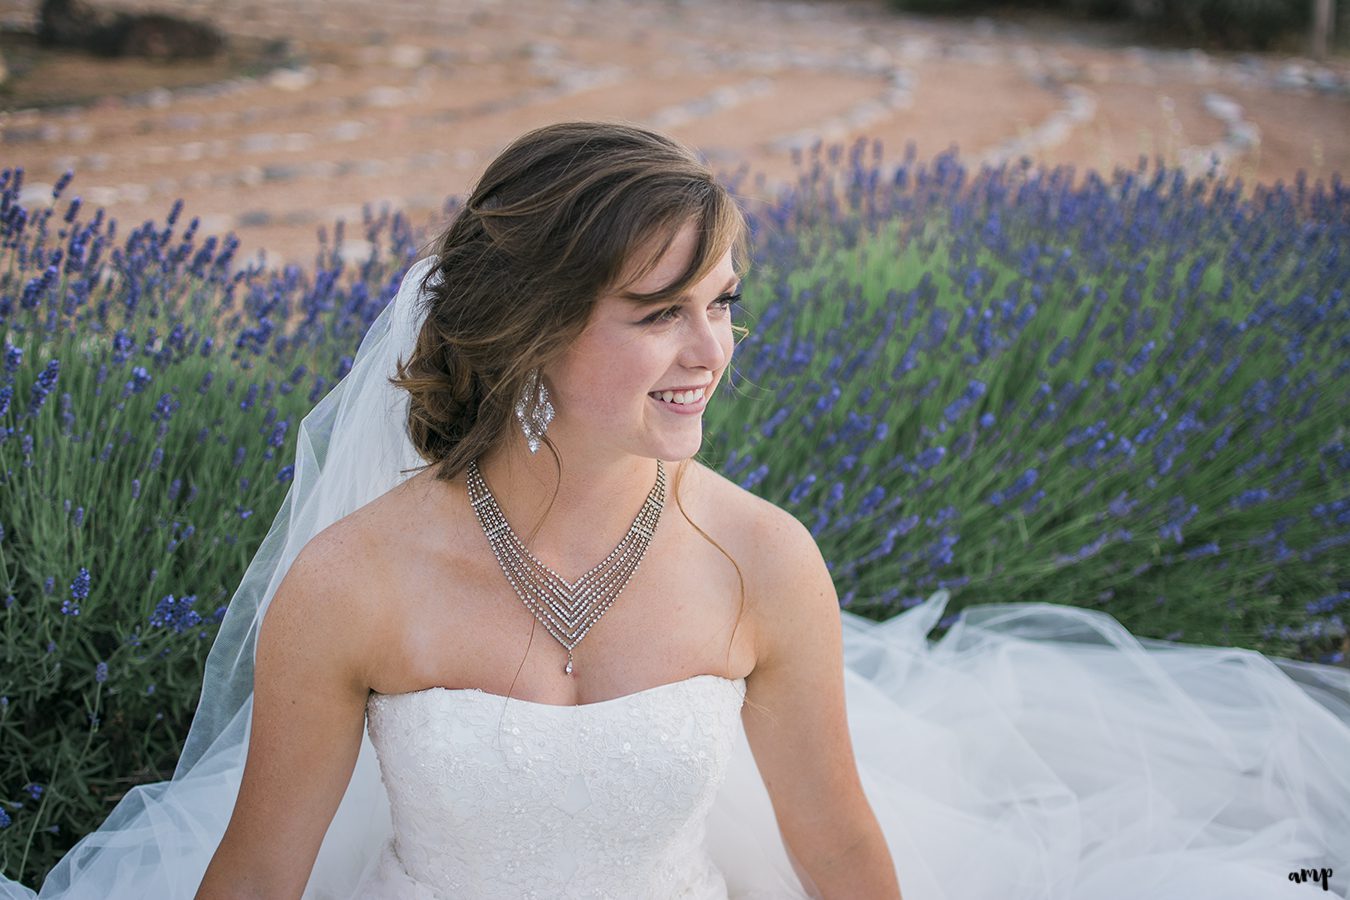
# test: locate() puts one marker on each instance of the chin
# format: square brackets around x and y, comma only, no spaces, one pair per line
[675,451]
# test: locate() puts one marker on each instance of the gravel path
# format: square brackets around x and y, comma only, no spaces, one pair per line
[404,106]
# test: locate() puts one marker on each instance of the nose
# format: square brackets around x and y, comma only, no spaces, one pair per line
[705,345]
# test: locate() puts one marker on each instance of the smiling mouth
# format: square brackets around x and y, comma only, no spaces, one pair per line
[681,398]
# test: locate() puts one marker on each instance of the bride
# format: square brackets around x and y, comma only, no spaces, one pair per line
[508,638]
[585,291]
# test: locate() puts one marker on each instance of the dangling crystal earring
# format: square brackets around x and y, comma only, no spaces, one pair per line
[533,409]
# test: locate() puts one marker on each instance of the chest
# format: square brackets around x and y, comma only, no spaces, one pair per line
[457,622]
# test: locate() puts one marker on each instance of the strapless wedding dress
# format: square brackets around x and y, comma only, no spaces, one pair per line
[1037,752]
[498,798]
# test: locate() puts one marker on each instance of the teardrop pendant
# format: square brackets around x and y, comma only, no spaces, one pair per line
[568,670]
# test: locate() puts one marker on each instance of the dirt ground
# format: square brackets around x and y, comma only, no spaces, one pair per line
[322,108]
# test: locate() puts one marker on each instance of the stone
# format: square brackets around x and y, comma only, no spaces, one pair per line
[280,173]
[1222,108]
[253,218]
[288,79]
[77,25]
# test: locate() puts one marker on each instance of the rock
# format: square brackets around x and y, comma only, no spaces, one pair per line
[292,79]
[164,37]
[280,173]
[78,25]
[35,194]
[1222,108]
[253,218]
[71,23]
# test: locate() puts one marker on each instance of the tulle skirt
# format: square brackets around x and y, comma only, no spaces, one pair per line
[1041,751]
[1036,751]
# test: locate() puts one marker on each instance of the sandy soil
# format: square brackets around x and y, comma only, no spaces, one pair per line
[405,105]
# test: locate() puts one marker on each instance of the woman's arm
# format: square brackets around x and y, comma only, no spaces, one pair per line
[800,740]
[309,703]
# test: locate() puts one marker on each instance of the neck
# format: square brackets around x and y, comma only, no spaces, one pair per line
[596,500]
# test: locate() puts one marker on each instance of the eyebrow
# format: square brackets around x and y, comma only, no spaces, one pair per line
[679,298]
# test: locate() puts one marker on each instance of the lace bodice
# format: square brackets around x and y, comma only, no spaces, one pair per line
[494,797]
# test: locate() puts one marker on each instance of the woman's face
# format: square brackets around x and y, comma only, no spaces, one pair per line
[610,387]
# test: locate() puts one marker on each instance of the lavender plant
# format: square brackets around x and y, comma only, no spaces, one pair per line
[1023,386]
[150,390]
[1015,383]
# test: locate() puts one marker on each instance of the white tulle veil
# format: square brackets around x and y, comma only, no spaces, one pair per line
[351,448]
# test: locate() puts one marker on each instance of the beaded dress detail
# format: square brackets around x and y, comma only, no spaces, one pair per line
[505,798]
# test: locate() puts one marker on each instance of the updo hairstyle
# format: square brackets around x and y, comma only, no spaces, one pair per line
[555,222]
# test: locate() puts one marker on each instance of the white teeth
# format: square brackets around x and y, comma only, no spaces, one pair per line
[681,397]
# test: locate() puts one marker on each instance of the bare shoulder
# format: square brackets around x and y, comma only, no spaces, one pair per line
[326,600]
[768,531]
[782,563]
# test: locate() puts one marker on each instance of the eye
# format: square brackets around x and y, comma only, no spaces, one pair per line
[727,301]
[670,313]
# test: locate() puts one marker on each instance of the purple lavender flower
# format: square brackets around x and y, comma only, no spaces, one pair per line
[101,673]
[1323,605]
[79,591]
[164,408]
[176,614]
[930,457]
[122,346]
[1024,481]
[42,387]
[1182,514]
[1251,497]
[755,477]
[1121,505]
[140,378]
[278,438]
[802,489]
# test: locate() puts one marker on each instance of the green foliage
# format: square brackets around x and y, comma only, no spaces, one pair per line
[149,400]
[1253,24]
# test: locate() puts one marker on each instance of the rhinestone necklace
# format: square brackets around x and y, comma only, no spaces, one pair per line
[566,610]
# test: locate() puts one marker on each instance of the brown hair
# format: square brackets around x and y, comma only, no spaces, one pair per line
[557,220]
[550,227]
